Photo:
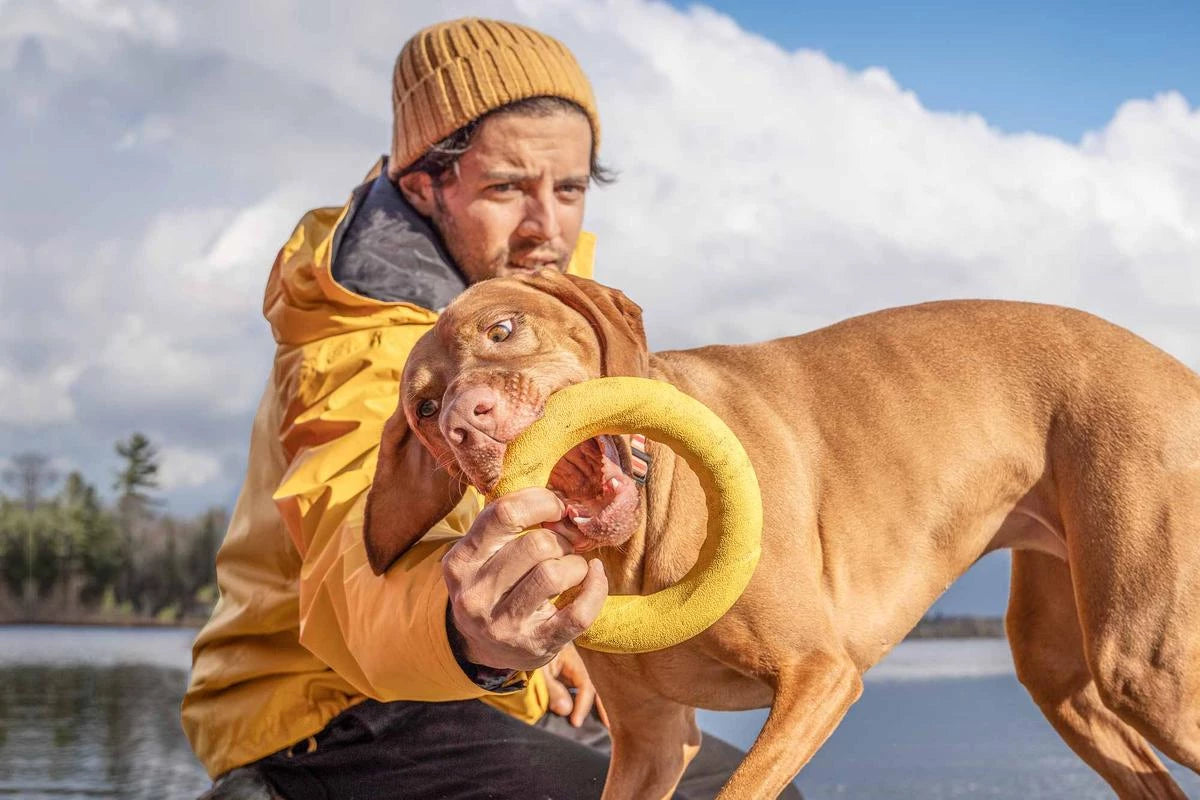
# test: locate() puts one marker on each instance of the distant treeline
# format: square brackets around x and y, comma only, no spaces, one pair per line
[66,556]
[937,626]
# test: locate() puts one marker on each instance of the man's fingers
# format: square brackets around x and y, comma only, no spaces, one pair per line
[584,697]
[507,516]
[500,581]
[575,617]
[519,556]
[499,523]
[560,696]
[545,580]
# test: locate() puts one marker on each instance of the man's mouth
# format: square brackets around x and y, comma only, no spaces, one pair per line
[533,264]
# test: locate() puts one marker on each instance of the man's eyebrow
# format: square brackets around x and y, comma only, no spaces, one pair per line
[508,177]
[517,177]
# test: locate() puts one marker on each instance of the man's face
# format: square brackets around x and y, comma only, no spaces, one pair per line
[514,203]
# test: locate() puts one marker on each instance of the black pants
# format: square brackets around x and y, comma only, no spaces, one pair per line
[454,751]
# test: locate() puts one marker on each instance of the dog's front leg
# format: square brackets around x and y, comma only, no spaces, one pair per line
[811,697]
[653,738]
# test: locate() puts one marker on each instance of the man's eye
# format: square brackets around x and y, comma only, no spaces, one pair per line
[427,408]
[500,331]
[502,187]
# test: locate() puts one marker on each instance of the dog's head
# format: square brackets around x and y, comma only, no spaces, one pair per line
[479,378]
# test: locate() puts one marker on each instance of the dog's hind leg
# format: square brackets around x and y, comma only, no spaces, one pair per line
[1047,648]
[1131,513]
[811,697]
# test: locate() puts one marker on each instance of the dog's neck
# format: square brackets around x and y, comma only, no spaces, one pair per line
[650,560]
[670,500]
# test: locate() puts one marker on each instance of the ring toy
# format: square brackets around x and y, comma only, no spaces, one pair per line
[637,623]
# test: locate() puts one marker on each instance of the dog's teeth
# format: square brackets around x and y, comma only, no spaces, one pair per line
[614,484]
[581,520]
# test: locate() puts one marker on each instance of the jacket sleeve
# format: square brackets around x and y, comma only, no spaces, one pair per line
[385,634]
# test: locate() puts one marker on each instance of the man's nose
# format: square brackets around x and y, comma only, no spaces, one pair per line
[472,411]
[541,215]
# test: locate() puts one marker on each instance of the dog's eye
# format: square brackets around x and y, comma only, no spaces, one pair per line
[500,331]
[427,408]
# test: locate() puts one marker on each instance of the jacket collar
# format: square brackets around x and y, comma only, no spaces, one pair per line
[385,250]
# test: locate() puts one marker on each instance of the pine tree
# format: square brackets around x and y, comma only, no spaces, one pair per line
[138,473]
[134,479]
[94,538]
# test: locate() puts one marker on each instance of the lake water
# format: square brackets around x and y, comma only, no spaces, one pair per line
[93,713]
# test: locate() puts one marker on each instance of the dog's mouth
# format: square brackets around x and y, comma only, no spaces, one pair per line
[593,482]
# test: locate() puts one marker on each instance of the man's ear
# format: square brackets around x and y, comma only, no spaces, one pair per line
[418,190]
[409,494]
[615,318]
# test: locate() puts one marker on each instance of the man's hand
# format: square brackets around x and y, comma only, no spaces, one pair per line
[565,672]
[501,583]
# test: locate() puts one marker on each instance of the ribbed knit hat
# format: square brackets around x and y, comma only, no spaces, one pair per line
[453,72]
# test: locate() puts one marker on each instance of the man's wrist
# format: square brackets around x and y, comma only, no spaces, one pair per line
[492,679]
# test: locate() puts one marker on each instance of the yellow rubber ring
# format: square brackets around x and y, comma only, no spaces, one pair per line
[635,623]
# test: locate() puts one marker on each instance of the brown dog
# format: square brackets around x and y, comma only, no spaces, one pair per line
[893,450]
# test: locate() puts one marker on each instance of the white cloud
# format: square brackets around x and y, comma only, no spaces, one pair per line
[154,130]
[181,467]
[77,31]
[37,398]
[762,192]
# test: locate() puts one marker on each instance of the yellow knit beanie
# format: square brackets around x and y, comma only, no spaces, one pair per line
[453,72]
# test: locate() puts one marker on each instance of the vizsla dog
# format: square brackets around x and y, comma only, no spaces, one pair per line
[893,450]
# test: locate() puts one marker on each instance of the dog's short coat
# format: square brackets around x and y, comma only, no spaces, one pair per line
[893,450]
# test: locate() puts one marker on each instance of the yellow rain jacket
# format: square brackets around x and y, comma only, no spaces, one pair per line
[303,628]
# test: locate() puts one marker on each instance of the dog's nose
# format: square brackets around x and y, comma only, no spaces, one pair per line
[473,410]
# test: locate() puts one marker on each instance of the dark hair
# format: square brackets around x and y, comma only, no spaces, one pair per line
[442,156]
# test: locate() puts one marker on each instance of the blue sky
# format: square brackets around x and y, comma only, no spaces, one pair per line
[1059,68]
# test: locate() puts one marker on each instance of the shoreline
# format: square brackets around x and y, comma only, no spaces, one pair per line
[193,624]
[939,627]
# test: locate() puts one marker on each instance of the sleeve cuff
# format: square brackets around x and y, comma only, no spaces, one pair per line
[490,679]
[453,662]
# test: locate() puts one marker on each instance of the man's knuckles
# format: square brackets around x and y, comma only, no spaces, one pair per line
[521,510]
[507,515]
[554,576]
[541,545]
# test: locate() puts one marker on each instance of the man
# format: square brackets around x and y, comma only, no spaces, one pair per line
[314,676]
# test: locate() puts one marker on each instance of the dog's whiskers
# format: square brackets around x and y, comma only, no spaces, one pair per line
[447,463]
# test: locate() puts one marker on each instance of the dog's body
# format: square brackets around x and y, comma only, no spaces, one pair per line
[892,450]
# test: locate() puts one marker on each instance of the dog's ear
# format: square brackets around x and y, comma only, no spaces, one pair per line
[615,318]
[409,494]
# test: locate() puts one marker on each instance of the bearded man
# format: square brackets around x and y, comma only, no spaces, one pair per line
[314,677]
